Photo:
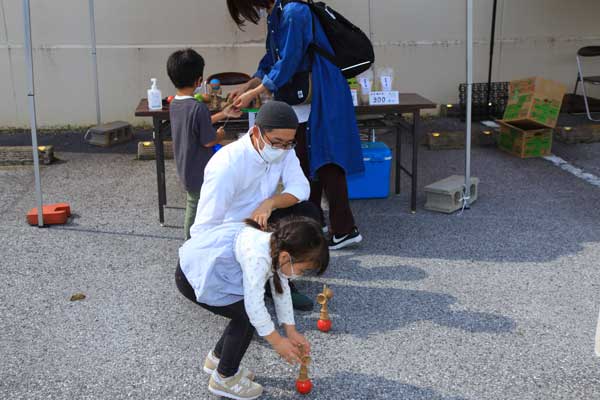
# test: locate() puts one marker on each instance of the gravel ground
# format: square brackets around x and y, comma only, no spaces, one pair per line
[500,302]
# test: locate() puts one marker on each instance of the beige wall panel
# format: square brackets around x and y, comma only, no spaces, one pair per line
[422,39]
[424,20]
[63,87]
[555,18]
[8,107]
[14,110]
[157,22]
[64,22]
[3,29]
[12,24]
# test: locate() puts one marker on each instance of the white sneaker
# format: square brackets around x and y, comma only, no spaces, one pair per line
[211,363]
[237,387]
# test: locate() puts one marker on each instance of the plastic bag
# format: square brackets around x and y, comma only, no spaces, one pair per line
[386,78]
[366,85]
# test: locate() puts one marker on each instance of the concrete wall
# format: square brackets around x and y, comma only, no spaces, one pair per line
[422,39]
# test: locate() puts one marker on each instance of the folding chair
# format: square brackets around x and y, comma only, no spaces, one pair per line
[590,51]
[230,78]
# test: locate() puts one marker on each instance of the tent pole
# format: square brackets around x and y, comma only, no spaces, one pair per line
[32,112]
[467,188]
[95,61]
[491,66]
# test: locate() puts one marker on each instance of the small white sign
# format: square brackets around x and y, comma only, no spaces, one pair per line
[384,98]
[365,84]
[354,97]
[386,83]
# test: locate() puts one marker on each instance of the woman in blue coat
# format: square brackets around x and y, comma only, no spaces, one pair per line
[328,142]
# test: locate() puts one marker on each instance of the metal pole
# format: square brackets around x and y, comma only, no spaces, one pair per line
[491,66]
[95,61]
[467,189]
[32,113]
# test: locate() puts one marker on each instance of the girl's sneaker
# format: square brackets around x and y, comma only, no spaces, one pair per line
[237,387]
[211,363]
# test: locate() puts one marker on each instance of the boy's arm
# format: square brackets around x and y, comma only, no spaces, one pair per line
[228,112]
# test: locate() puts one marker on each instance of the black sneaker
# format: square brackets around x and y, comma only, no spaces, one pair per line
[299,301]
[339,242]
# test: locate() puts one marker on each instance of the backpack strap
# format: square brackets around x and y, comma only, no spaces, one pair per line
[312,47]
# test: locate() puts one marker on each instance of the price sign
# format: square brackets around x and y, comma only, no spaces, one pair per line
[384,98]
[354,97]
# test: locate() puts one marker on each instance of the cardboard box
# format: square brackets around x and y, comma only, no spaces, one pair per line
[524,140]
[534,100]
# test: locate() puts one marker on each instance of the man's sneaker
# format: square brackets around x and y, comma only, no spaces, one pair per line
[211,363]
[237,387]
[339,242]
[300,301]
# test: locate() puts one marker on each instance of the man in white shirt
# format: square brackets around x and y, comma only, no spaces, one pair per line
[241,179]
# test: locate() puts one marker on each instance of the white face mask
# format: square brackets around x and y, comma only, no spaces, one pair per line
[293,275]
[269,153]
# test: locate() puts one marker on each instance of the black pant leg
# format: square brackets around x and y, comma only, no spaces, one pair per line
[316,188]
[333,179]
[236,337]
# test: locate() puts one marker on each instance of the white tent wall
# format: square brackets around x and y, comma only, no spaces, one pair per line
[424,40]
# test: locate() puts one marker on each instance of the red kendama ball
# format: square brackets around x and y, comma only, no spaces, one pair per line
[170,99]
[324,325]
[304,387]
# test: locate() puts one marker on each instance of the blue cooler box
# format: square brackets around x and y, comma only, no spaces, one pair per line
[375,181]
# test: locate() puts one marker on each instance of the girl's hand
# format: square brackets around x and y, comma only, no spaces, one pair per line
[288,350]
[234,94]
[251,84]
[244,100]
[299,341]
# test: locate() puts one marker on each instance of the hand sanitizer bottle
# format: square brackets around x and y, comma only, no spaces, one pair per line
[154,97]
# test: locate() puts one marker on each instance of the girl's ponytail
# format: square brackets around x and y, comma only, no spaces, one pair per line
[275,251]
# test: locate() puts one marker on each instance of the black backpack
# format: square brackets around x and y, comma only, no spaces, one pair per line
[353,50]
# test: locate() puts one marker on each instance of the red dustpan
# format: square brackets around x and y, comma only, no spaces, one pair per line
[53,214]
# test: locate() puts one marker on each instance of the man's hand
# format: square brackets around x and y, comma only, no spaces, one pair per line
[262,213]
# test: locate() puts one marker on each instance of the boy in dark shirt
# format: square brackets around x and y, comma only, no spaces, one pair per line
[191,127]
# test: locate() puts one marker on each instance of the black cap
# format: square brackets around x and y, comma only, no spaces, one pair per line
[277,115]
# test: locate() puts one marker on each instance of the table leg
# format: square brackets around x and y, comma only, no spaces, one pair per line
[398,159]
[415,151]
[160,168]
